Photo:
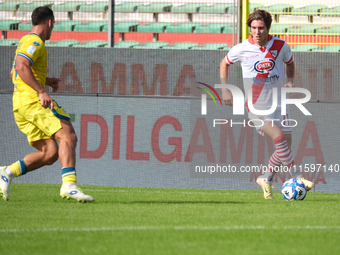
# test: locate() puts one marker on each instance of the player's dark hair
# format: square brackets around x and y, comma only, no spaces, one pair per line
[265,16]
[41,14]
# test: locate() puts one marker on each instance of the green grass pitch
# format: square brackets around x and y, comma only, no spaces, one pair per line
[167,221]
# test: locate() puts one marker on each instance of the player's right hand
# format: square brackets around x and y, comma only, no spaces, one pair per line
[227,97]
[46,100]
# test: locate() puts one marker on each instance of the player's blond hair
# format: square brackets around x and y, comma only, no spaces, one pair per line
[265,16]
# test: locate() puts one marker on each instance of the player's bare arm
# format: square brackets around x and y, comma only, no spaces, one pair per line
[24,71]
[290,70]
[226,94]
[11,72]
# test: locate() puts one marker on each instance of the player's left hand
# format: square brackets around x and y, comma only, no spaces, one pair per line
[54,83]
[289,85]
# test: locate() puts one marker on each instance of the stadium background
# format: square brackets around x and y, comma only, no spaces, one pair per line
[132,106]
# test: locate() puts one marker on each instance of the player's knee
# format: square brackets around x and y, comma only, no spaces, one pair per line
[70,139]
[73,139]
[51,157]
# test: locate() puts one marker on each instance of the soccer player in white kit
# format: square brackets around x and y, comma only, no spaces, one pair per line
[262,58]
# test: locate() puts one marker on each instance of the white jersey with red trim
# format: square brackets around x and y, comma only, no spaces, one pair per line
[262,68]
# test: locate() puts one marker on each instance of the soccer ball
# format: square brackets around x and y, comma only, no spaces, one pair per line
[294,189]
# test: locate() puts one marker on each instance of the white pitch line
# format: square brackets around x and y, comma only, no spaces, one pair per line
[139,228]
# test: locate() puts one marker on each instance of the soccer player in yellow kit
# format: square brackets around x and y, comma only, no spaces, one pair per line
[37,115]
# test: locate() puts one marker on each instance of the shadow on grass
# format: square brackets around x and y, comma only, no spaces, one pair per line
[178,202]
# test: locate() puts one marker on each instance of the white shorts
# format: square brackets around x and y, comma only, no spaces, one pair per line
[283,121]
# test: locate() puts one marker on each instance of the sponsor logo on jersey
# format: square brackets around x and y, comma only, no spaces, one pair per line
[261,81]
[264,66]
[36,44]
[254,56]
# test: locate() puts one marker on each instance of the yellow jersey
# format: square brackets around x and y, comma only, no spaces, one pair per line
[32,48]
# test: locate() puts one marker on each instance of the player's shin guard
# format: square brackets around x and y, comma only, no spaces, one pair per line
[285,155]
[68,175]
[283,152]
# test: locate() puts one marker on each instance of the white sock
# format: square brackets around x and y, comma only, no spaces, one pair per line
[9,172]
[270,176]
[294,174]
[69,185]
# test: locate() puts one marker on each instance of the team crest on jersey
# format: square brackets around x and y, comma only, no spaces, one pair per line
[36,44]
[274,53]
[264,65]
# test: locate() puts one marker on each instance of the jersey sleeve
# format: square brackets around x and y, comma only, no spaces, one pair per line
[31,50]
[287,54]
[233,55]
